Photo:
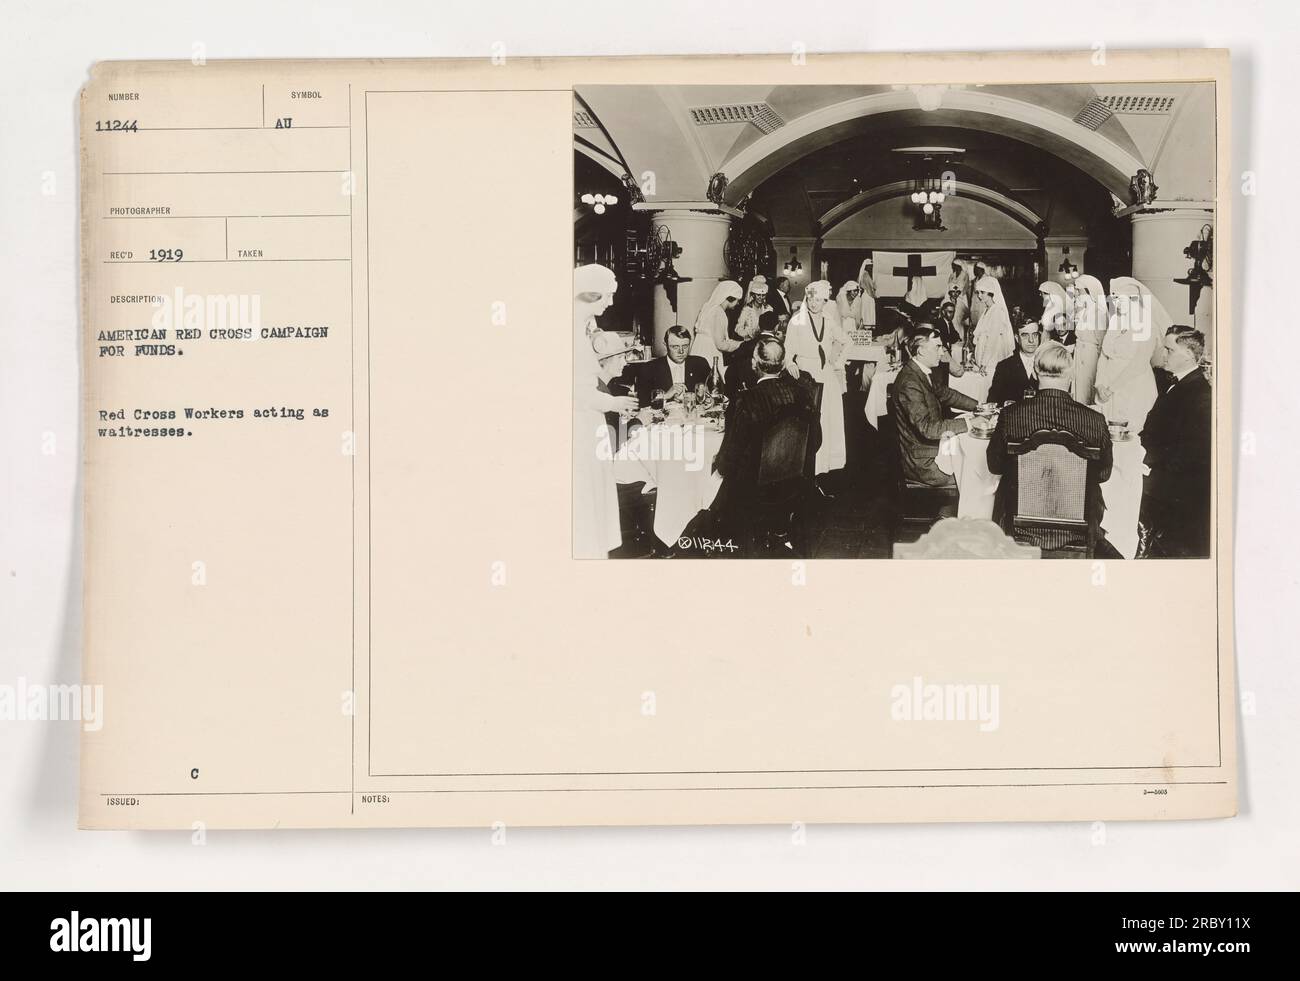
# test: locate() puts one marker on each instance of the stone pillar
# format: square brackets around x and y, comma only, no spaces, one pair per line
[1160,233]
[701,230]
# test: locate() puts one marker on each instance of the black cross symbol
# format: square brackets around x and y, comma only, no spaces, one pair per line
[914,269]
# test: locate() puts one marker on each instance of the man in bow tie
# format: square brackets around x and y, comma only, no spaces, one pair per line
[1176,437]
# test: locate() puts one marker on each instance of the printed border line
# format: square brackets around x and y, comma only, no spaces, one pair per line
[370,565]
[370,537]
[651,790]
[352,348]
[903,769]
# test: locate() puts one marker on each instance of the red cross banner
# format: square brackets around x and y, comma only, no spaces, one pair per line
[892,271]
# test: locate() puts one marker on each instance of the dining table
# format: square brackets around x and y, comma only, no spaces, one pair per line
[673,454]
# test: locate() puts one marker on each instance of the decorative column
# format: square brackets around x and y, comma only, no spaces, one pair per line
[1160,233]
[700,228]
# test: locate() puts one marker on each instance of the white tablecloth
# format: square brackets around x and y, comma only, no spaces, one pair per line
[678,459]
[966,458]
[876,405]
[971,383]
[1123,497]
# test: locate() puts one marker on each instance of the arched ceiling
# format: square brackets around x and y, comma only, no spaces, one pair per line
[683,134]
[794,102]
[1022,181]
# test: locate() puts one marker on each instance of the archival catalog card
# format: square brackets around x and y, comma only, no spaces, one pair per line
[803,438]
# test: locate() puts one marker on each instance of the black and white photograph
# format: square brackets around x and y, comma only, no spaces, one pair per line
[309,503]
[894,321]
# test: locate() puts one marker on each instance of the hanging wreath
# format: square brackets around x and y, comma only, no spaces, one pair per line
[748,251]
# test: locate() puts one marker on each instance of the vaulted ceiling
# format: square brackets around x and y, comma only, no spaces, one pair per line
[1041,145]
[821,191]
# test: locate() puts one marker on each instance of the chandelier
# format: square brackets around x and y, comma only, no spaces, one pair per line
[928,197]
[598,202]
[933,179]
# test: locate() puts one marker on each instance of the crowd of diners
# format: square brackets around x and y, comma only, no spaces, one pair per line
[1104,360]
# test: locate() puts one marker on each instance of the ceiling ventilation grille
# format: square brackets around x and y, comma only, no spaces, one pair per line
[1139,105]
[763,116]
[583,119]
[1093,114]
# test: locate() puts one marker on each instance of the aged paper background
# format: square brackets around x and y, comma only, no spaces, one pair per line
[329,573]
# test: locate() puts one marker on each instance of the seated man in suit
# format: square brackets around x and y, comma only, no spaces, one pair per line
[1051,409]
[918,404]
[1176,436]
[1014,374]
[775,396]
[674,373]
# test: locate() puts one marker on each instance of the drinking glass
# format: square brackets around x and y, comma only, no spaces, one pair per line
[627,414]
